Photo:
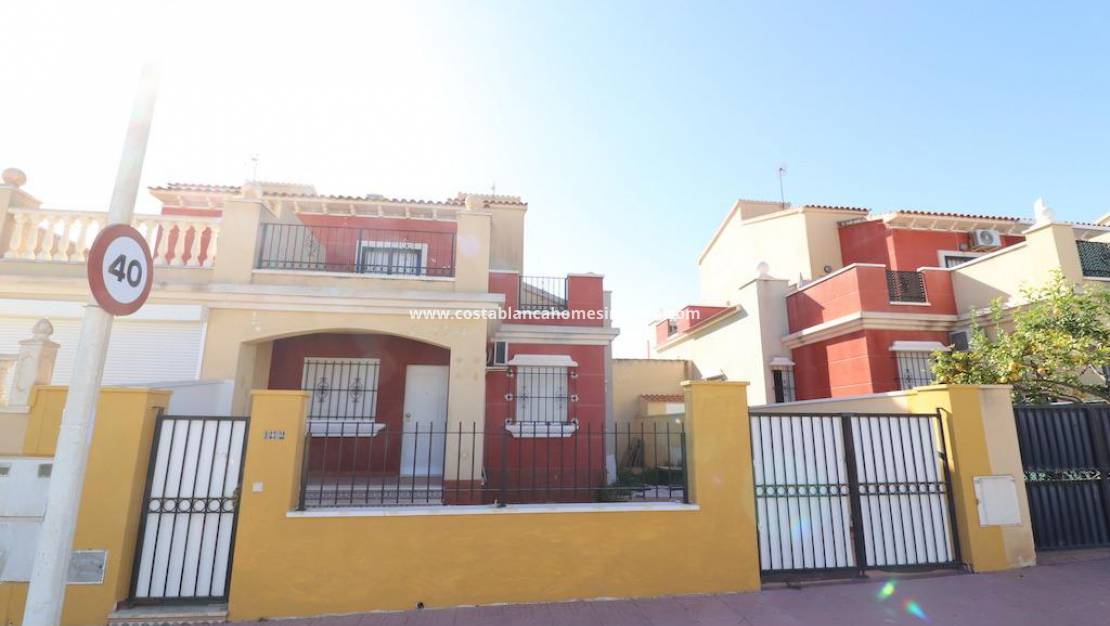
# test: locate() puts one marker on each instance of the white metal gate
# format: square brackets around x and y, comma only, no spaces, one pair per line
[190,508]
[842,493]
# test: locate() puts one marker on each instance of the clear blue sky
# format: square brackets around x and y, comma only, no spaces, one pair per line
[629,127]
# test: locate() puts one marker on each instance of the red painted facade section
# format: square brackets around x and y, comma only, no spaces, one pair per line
[901,248]
[394,354]
[853,364]
[521,469]
[662,331]
[341,236]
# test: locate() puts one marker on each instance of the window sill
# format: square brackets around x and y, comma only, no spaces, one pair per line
[344,428]
[910,303]
[541,430]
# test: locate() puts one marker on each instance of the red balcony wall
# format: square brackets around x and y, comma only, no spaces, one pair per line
[901,248]
[864,288]
[585,301]
[693,315]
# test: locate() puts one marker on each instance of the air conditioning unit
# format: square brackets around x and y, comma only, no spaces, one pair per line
[985,239]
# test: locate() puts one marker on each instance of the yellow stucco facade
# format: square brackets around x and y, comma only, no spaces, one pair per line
[115,478]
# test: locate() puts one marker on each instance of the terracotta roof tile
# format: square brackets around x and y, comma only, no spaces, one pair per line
[833,207]
[235,189]
[963,215]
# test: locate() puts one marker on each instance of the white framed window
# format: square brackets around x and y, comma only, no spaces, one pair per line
[915,362]
[341,389]
[542,394]
[393,257]
[953,258]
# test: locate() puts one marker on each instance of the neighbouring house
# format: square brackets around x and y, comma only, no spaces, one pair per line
[818,301]
[438,370]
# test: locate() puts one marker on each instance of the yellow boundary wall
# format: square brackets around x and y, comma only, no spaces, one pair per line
[290,564]
[108,518]
[294,564]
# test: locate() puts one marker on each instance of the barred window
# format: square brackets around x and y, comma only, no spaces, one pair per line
[914,369]
[784,384]
[341,388]
[542,394]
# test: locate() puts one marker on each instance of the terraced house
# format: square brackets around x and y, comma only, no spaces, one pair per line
[434,363]
[819,301]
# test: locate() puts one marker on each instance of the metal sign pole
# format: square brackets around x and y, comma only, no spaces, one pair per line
[46,592]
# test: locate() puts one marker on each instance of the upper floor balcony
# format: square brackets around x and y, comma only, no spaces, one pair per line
[393,252]
[51,242]
[571,300]
[284,236]
[865,287]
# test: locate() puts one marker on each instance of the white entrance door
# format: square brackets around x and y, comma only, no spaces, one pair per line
[425,420]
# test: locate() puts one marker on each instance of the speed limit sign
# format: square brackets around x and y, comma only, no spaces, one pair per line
[120,269]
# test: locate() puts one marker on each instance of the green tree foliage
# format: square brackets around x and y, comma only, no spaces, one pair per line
[1055,347]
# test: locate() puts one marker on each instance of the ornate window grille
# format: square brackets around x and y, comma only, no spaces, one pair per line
[341,389]
[543,394]
[905,286]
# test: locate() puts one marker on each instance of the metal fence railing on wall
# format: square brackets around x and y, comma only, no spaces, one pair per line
[538,462]
[356,250]
[542,293]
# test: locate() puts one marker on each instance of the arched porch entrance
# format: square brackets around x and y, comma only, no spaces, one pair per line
[377,418]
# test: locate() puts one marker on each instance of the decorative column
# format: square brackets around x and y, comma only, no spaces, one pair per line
[35,364]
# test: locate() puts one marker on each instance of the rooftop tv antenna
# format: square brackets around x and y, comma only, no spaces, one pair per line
[782,192]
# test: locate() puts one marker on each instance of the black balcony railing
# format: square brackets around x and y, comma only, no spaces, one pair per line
[542,293]
[538,462]
[356,250]
[1094,257]
[905,286]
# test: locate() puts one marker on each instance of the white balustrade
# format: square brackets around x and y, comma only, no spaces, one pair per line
[65,236]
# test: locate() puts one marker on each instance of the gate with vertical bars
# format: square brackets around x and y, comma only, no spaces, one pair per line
[840,493]
[190,509]
[1065,452]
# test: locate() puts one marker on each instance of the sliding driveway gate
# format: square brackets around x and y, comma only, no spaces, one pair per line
[1065,452]
[837,494]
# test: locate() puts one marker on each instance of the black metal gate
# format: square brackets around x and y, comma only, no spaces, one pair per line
[1065,452]
[840,493]
[190,509]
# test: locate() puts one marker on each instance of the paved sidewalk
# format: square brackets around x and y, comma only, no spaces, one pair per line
[1066,591]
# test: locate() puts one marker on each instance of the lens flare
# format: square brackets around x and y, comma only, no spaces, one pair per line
[886,590]
[914,609]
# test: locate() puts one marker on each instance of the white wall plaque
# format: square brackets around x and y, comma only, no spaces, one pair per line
[997,500]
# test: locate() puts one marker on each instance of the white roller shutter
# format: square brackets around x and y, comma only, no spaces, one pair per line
[140,351]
